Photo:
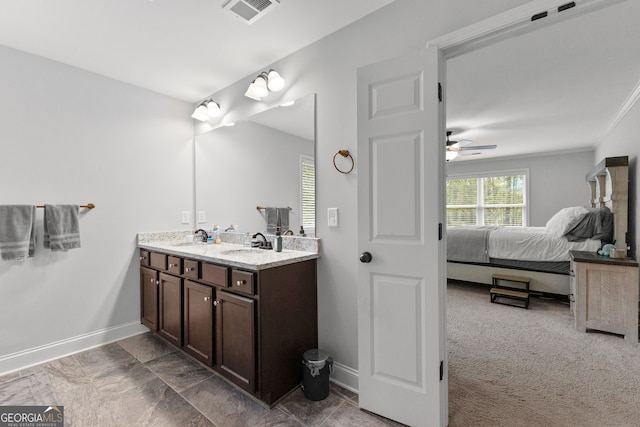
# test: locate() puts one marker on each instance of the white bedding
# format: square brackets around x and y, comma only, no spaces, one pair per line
[534,244]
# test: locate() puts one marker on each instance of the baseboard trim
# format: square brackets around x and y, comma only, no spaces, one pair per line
[345,377]
[45,353]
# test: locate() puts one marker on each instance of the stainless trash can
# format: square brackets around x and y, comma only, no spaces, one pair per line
[315,378]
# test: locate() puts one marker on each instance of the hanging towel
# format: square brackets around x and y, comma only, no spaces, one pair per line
[61,227]
[17,231]
[277,217]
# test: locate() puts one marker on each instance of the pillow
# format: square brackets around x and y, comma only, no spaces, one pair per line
[567,218]
[597,224]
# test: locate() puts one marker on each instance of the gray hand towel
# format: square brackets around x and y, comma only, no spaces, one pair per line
[61,227]
[17,231]
[277,217]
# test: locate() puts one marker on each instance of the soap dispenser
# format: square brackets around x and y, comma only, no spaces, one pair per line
[277,241]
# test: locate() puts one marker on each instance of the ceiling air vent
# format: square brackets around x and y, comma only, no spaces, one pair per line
[250,10]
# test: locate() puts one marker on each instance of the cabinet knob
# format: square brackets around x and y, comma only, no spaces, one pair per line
[157,282]
[170,265]
[187,269]
[241,282]
[216,302]
[151,280]
[207,298]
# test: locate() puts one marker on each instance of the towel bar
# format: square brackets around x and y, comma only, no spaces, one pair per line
[262,208]
[88,206]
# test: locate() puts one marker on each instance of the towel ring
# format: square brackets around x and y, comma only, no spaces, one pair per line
[345,154]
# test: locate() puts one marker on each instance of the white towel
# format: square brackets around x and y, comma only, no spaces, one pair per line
[17,231]
[61,227]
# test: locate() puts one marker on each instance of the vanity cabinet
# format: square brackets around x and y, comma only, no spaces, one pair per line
[170,309]
[198,321]
[149,298]
[235,339]
[251,326]
[606,293]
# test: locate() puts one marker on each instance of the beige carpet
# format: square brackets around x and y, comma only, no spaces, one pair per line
[514,367]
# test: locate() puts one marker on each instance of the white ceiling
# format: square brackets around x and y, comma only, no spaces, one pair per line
[187,49]
[553,89]
[557,88]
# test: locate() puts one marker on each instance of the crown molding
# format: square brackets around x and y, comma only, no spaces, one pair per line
[631,100]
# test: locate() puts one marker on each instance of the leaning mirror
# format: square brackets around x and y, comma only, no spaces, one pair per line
[266,160]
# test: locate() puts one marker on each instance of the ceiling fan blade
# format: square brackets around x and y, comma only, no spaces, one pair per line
[465,142]
[479,147]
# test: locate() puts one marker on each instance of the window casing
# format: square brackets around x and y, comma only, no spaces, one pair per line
[494,198]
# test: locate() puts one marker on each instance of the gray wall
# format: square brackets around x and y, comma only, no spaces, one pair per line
[70,136]
[555,181]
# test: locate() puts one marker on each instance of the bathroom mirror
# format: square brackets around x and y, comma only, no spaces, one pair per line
[259,161]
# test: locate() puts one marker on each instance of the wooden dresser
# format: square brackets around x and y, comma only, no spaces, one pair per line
[605,294]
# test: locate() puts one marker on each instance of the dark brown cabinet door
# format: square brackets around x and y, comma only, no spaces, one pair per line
[235,339]
[170,319]
[198,321]
[149,298]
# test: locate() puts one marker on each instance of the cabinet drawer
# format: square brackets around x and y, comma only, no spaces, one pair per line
[242,281]
[158,261]
[144,258]
[214,274]
[191,269]
[175,265]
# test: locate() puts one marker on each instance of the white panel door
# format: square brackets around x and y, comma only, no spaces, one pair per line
[401,290]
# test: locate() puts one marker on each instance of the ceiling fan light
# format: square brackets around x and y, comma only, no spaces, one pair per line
[450,155]
[275,81]
[201,113]
[213,109]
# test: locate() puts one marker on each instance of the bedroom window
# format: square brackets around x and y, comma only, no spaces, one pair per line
[490,199]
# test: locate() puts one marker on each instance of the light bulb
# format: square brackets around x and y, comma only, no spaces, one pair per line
[276,82]
[259,87]
[200,113]
[213,109]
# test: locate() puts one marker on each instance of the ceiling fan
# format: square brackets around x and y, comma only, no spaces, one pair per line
[455,148]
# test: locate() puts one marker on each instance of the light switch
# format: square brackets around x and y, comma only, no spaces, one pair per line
[202,218]
[185,217]
[332,214]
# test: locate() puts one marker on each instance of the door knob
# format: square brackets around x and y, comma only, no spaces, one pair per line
[365,257]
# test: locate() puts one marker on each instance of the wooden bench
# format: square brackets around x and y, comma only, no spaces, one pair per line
[510,295]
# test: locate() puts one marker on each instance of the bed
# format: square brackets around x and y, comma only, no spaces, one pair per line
[475,253]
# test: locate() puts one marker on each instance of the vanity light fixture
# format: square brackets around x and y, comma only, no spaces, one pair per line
[267,81]
[208,108]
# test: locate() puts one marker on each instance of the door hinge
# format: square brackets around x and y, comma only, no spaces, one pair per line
[440,231]
[439,91]
[441,370]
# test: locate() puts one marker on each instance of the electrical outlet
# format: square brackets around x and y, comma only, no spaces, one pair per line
[202,218]
[332,214]
[185,217]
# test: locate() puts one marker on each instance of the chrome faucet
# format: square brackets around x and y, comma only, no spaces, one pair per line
[205,236]
[263,245]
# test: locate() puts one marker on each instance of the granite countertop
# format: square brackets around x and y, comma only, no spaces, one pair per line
[236,255]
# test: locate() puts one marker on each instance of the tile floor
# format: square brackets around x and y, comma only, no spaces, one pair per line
[143,381]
